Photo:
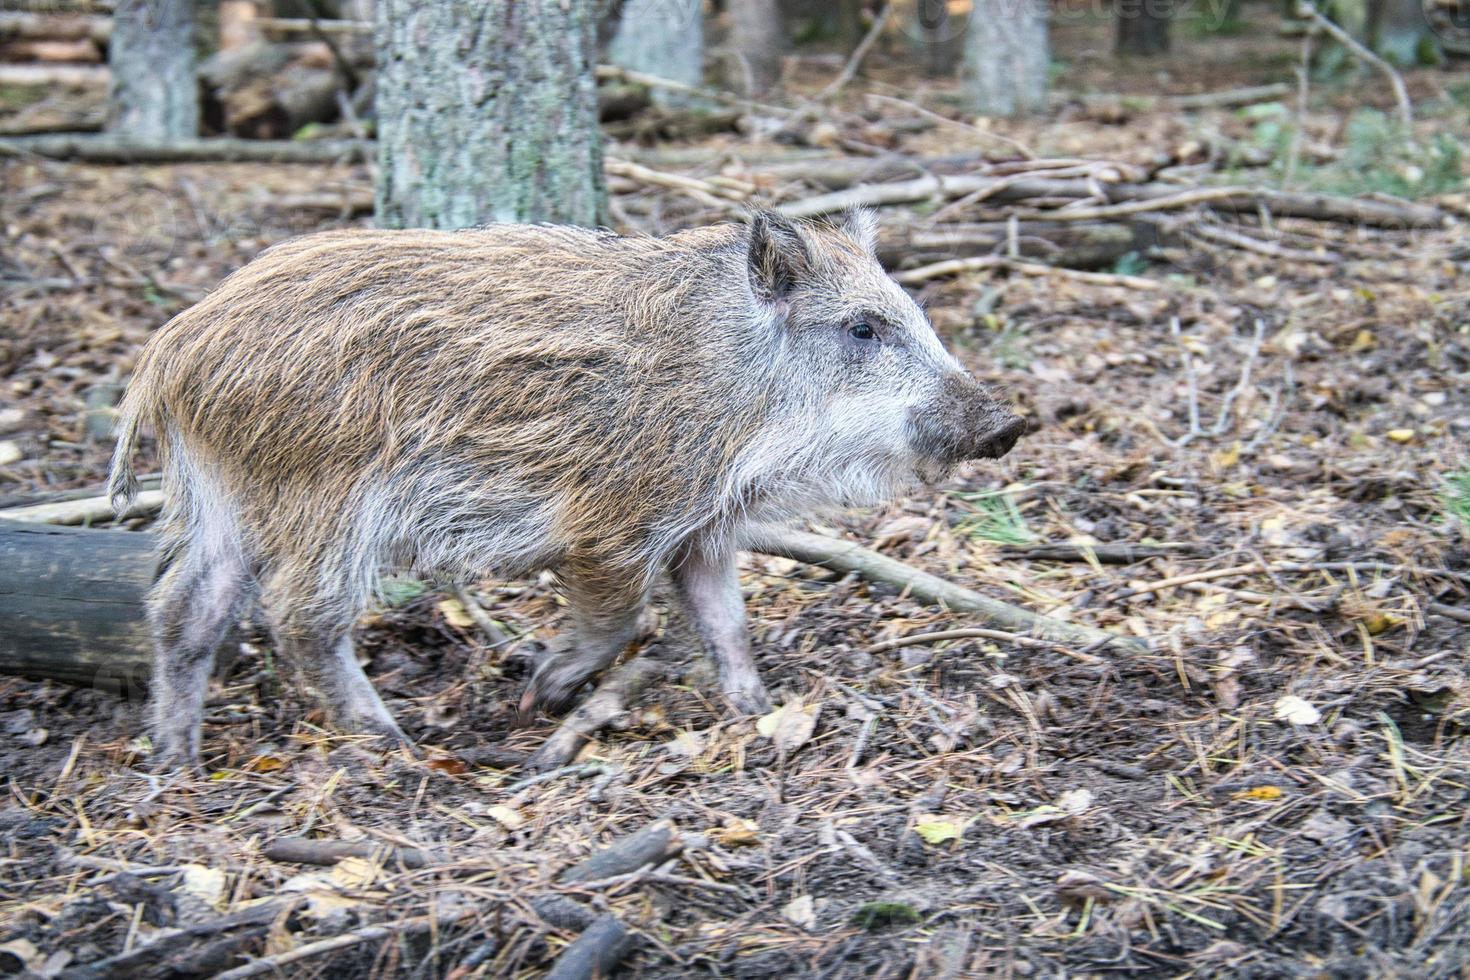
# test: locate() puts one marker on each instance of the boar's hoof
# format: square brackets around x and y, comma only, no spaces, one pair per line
[750,700]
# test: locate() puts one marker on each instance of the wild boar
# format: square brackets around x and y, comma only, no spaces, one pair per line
[512,398]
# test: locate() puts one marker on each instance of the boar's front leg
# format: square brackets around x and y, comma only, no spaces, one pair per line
[710,588]
[605,613]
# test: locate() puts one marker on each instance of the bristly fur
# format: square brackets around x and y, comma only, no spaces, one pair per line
[504,399]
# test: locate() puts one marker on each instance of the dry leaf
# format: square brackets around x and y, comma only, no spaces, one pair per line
[204,883]
[937,829]
[448,764]
[455,613]
[508,817]
[790,725]
[1075,802]
[266,763]
[800,911]
[737,831]
[1297,711]
[353,872]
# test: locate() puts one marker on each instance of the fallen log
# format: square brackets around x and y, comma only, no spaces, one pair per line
[74,602]
[72,605]
[111,149]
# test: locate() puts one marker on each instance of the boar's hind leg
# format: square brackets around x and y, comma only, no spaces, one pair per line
[710,588]
[605,621]
[193,607]
[326,657]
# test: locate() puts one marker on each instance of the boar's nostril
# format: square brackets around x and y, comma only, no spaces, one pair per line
[1004,437]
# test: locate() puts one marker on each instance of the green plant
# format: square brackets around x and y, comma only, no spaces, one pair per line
[1456,495]
[996,518]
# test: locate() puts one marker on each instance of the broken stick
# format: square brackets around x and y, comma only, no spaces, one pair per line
[844,556]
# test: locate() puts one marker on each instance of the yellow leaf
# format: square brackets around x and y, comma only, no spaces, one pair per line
[353,872]
[456,614]
[736,832]
[1296,710]
[205,884]
[508,817]
[790,725]
[1363,341]
[1400,435]
[1260,793]
[1226,458]
[938,829]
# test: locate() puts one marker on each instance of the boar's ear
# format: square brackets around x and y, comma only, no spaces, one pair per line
[861,225]
[779,257]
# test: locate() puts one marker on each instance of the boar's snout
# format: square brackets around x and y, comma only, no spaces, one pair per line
[964,422]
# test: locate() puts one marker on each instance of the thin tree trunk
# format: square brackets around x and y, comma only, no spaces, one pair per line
[1006,57]
[155,95]
[1142,27]
[663,38]
[937,32]
[1398,30]
[487,111]
[757,37]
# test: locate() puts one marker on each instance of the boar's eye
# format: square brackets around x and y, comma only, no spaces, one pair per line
[863,330]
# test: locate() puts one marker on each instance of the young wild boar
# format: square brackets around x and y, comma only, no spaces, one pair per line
[513,398]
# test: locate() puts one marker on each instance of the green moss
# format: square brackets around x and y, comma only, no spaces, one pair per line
[882,915]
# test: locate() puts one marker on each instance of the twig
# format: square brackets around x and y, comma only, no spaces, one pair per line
[594,953]
[481,618]
[1193,380]
[1223,421]
[305,850]
[1292,566]
[707,193]
[844,556]
[614,73]
[1021,148]
[850,70]
[950,267]
[652,845]
[1305,8]
[1226,235]
[579,770]
[980,634]
[274,962]
[607,704]
[1105,554]
[86,511]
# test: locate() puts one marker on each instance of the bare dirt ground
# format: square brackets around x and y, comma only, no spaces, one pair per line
[1280,789]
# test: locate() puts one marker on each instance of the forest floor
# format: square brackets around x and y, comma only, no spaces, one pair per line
[1281,788]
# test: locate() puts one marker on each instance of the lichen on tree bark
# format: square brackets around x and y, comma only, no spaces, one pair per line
[487,112]
[151,53]
[1006,57]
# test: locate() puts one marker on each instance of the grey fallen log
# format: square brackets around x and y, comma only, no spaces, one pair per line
[71,605]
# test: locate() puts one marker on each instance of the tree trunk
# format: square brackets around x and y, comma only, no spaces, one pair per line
[663,38]
[487,111]
[1399,30]
[1143,27]
[756,36]
[938,36]
[154,92]
[1006,57]
[72,604]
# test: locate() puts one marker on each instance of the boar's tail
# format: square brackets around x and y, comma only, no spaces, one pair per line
[137,408]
